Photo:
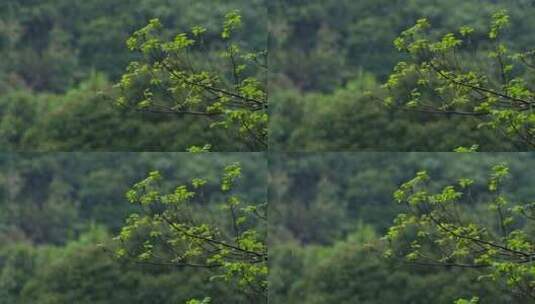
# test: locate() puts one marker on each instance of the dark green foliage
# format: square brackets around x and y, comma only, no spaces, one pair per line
[329,46]
[462,74]
[187,228]
[328,210]
[76,189]
[59,211]
[176,77]
[51,99]
[82,272]
[84,119]
[350,272]
[463,226]
[326,122]
[17,264]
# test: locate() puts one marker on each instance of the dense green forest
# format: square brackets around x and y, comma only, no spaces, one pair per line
[60,212]
[329,60]
[267,151]
[158,75]
[63,58]
[330,211]
[178,227]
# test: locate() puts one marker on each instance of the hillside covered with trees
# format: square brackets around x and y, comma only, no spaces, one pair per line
[267,151]
[172,76]
[75,227]
[65,78]
[333,66]
[356,228]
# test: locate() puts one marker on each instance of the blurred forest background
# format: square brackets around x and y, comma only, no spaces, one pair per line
[60,59]
[56,208]
[327,214]
[329,210]
[325,54]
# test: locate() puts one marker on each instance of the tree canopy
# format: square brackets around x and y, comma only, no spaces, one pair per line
[451,76]
[454,227]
